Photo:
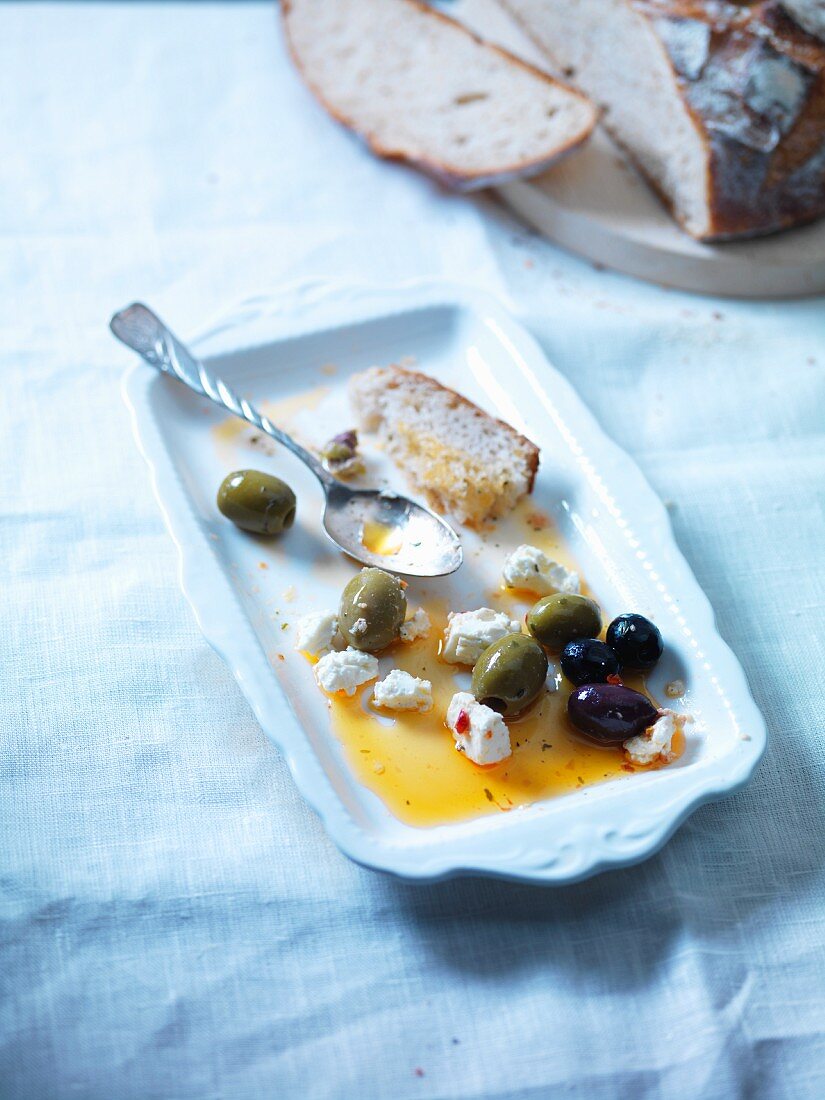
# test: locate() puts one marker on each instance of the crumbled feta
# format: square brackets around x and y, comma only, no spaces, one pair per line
[345,671]
[530,568]
[655,744]
[316,632]
[480,732]
[359,626]
[416,627]
[401,691]
[469,633]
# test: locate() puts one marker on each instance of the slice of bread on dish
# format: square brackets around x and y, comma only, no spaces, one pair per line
[466,463]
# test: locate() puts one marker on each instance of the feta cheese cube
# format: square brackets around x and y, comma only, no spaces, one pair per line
[401,691]
[469,633]
[655,744]
[416,627]
[345,671]
[316,632]
[480,732]
[531,569]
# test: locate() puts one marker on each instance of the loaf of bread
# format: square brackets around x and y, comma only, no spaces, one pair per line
[465,462]
[720,105]
[419,87]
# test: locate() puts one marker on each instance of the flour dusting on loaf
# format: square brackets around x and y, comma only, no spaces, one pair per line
[809,14]
[464,461]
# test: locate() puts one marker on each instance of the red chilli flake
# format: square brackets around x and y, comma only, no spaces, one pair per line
[462,723]
[614,679]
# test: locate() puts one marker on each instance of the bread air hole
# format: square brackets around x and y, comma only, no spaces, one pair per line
[470,97]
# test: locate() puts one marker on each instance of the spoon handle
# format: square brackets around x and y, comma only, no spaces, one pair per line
[140,329]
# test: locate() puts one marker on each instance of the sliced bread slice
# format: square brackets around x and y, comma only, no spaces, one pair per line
[463,460]
[419,87]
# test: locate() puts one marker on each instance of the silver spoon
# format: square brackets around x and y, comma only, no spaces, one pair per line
[426,545]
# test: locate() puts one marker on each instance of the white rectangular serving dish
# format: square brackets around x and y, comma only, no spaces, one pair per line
[616,528]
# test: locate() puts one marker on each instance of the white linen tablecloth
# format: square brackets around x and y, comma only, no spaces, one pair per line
[174,923]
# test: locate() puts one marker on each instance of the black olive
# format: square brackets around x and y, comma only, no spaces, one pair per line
[588,661]
[636,641]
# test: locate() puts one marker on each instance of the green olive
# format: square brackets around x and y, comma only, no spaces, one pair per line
[510,674]
[560,618]
[373,607]
[257,502]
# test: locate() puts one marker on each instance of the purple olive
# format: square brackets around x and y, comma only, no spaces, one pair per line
[610,712]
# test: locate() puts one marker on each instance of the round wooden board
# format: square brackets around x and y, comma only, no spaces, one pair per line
[596,205]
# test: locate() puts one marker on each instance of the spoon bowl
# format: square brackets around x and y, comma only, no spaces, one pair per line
[374,526]
[391,532]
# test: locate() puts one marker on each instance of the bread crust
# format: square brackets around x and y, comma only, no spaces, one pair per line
[761,183]
[455,181]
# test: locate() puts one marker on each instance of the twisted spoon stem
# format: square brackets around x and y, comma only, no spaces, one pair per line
[140,329]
